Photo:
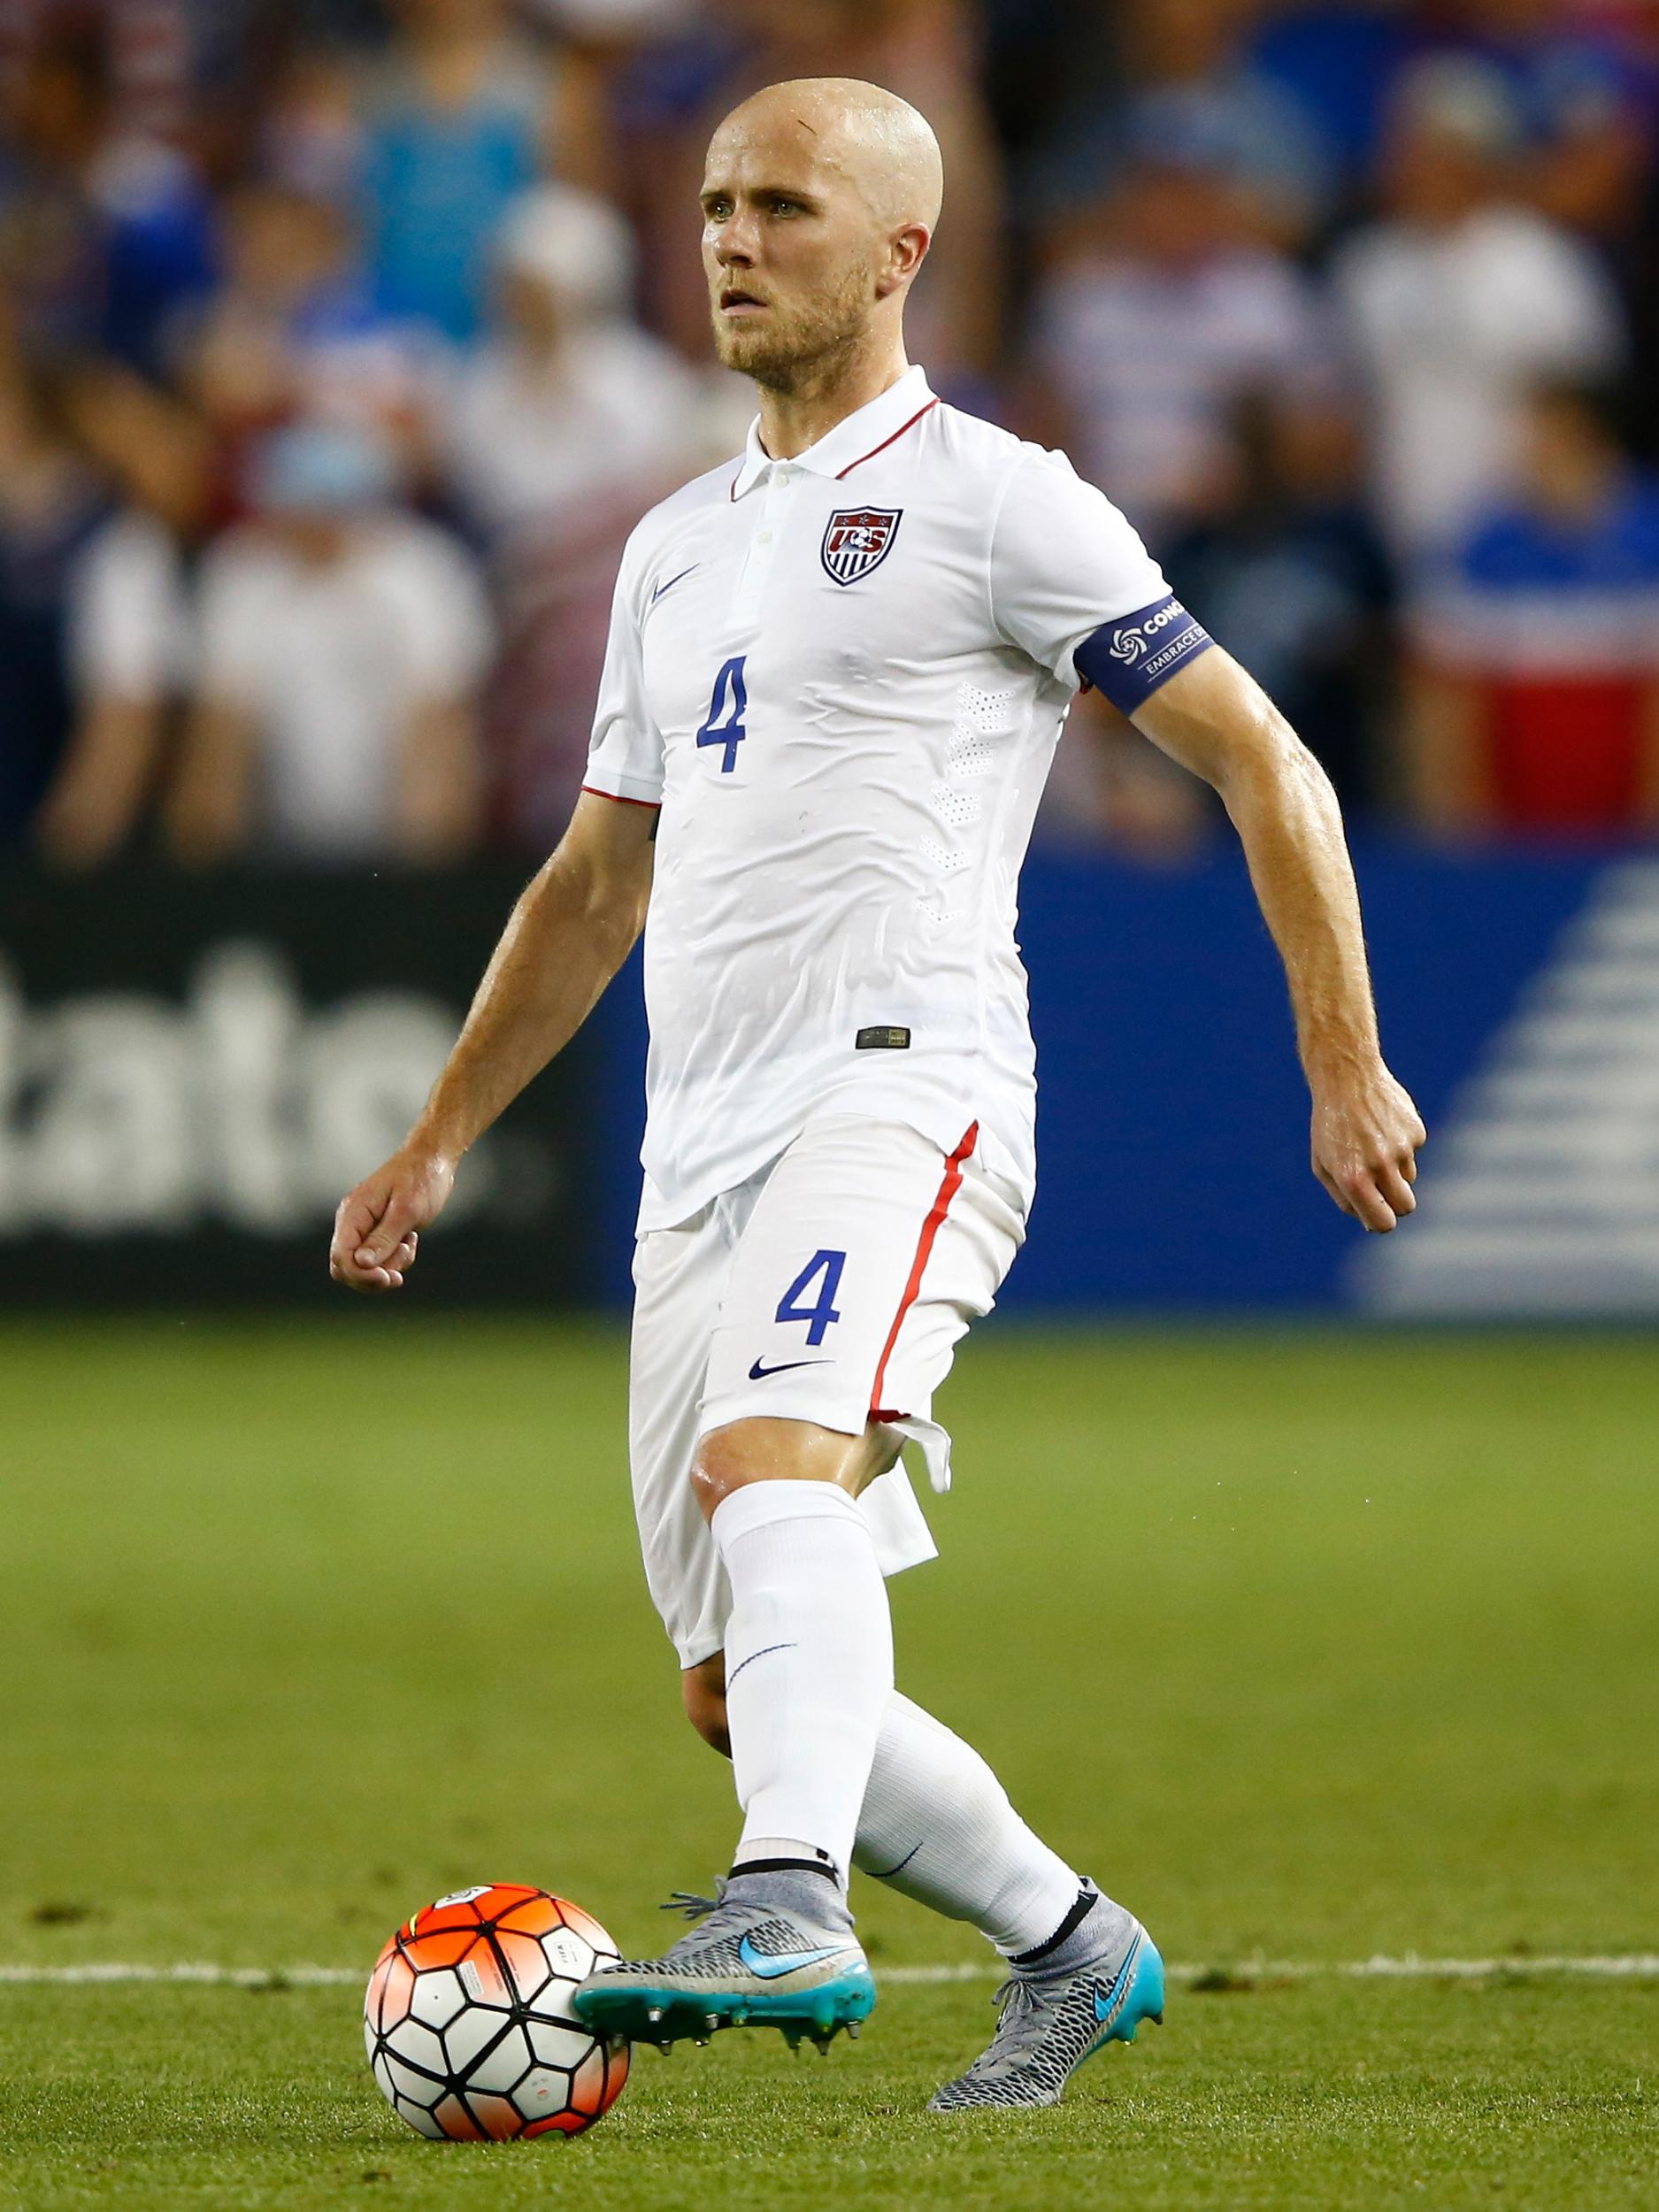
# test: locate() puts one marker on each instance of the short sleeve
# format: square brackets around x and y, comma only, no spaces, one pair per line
[624,760]
[1063,560]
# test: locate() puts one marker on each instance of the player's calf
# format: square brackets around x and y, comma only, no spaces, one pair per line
[703,1692]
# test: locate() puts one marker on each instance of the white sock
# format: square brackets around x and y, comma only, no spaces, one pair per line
[937,1824]
[809,1663]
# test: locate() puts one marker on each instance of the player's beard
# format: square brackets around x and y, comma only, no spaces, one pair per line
[788,350]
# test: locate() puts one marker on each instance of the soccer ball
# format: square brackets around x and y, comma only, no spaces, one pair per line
[468,2018]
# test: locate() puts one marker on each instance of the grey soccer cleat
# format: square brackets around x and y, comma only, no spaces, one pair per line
[1049,2025]
[747,1962]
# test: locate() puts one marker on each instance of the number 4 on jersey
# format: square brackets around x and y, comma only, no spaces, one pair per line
[730,733]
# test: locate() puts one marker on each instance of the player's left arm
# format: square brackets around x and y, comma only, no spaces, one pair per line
[1215,719]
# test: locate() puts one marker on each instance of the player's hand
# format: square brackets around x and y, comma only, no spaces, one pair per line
[1366,1135]
[377,1228]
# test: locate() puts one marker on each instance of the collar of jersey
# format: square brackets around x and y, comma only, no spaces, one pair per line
[853,439]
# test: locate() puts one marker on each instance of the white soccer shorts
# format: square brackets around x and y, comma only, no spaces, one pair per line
[831,1286]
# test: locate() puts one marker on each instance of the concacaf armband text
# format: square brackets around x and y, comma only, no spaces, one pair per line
[1127,660]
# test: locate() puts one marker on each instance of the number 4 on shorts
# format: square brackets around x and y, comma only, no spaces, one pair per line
[818,1317]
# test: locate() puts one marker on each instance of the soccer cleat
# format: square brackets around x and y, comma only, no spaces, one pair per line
[745,1963]
[1049,2025]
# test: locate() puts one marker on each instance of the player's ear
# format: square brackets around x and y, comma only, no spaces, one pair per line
[907,248]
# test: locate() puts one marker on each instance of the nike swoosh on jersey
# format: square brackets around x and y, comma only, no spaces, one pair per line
[672,580]
[770,1965]
[757,1373]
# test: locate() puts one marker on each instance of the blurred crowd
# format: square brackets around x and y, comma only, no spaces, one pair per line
[342,342]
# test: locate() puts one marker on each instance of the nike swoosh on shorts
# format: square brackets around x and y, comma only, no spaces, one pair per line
[757,1373]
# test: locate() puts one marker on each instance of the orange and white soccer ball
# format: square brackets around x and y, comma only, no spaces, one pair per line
[468,2018]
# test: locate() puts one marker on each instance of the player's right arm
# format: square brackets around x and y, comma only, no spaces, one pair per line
[569,934]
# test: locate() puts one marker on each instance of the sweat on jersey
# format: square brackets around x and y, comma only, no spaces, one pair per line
[842,677]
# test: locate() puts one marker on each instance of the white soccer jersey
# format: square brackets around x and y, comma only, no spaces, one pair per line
[842,677]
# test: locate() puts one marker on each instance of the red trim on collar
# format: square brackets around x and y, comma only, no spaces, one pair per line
[885,442]
[732,488]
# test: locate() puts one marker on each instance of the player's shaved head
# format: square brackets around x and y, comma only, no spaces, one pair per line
[819,199]
[880,145]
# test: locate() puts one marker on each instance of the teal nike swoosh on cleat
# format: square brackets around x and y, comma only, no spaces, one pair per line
[1046,2028]
[743,1964]
[1121,2012]
[1105,1999]
[770,1965]
[656,2011]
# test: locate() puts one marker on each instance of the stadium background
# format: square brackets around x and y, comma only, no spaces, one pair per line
[341,343]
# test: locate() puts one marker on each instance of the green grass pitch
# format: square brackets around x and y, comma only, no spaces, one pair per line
[1310,1647]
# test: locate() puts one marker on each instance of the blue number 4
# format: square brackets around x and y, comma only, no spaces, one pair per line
[818,1317]
[730,733]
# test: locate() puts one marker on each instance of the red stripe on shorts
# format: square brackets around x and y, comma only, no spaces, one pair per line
[948,1189]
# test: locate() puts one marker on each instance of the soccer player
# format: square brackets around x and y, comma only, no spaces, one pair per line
[838,668]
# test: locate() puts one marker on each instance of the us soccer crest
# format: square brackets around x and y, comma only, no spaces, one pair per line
[857,540]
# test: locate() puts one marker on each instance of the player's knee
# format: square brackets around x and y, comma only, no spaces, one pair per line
[763,1451]
[773,1450]
[703,1690]
[722,1462]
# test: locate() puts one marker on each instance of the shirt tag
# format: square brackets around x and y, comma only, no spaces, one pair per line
[882,1041]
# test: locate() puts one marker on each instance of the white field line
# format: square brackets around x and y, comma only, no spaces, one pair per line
[1635,1966]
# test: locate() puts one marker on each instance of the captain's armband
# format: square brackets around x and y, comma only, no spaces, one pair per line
[1127,660]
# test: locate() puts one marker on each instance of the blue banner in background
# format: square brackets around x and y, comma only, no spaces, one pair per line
[1519,999]
[193,1069]
[1172,1130]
